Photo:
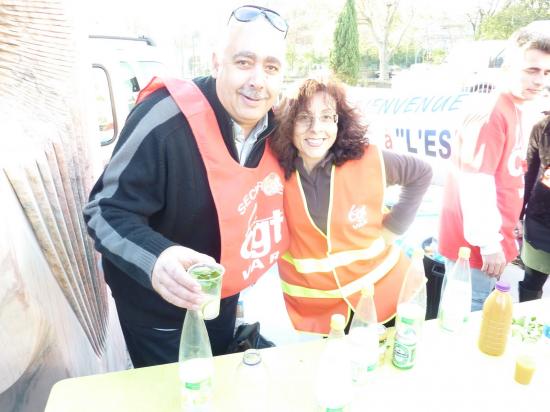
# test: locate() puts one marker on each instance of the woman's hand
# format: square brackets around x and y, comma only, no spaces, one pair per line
[388,236]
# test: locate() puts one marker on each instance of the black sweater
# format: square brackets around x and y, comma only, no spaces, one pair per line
[537,196]
[154,194]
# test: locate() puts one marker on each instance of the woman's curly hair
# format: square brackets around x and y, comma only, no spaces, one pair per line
[351,139]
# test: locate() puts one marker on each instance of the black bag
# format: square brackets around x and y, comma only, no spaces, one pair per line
[248,336]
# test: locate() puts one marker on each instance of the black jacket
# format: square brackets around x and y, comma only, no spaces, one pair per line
[537,194]
[154,194]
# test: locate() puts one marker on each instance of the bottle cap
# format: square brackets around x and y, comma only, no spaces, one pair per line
[418,253]
[337,322]
[502,286]
[368,290]
[464,252]
[252,357]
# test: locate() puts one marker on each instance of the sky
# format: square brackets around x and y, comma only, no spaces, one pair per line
[167,18]
[172,21]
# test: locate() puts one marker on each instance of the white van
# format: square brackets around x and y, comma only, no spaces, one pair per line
[470,66]
[121,67]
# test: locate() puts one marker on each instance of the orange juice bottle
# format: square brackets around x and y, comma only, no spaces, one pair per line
[496,320]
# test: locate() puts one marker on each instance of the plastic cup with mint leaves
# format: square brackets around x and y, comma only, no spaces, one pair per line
[209,276]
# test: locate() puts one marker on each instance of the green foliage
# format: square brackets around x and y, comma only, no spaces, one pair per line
[437,56]
[407,54]
[344,57]
[518,14]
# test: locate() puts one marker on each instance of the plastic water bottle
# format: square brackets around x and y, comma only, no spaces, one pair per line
[334,384]
[252,382]
[196,367]
[363,337]
[411,312]
[496,320]
[456,294]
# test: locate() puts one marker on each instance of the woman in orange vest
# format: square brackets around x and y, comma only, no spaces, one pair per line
[340,239]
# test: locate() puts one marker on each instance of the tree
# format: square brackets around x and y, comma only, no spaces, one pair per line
[481,13]
[517,14]
[345,57]
[383,21]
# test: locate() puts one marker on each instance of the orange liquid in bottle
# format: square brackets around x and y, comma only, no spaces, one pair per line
[496,320]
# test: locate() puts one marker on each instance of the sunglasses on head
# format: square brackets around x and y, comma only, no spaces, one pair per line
[249,13]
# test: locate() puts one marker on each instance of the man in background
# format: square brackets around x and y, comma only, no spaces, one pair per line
[483,193]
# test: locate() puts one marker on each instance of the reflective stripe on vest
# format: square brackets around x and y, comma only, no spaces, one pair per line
[323,274]
[334,260]
[355,286]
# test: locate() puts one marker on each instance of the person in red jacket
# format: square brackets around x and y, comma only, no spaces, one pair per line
[340,239]
[483,192]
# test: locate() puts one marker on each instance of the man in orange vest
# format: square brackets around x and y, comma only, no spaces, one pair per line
[192,180]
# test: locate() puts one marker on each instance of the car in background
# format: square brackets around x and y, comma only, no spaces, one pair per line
[392,71]
[470,66]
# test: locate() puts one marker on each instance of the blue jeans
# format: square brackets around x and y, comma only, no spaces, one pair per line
[482,285]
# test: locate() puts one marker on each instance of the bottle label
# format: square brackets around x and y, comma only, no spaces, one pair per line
[360,369]
[404,350]
[196,386]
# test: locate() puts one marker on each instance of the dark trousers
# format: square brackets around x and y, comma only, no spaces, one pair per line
[533,279]
[148,346]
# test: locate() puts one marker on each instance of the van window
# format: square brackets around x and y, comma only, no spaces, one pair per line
[131,84]
[496,61]
[150,69]
[104,105]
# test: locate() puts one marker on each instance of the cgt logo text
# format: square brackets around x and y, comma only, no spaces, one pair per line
[261,236]
[271,185]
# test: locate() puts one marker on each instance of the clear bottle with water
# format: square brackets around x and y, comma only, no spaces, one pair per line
[411,312]
[252,383]
[334,389]
[456,294]
[363,337]
[196,366]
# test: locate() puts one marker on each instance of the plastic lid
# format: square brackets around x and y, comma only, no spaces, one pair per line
[252,357]
[502,286]
[418,253]
[464,252]
[368,290]
[337,322]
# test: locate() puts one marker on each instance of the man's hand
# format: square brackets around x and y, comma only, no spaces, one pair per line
[493,264]
[518,230]
[171,280]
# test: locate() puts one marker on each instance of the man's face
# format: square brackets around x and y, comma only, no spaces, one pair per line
[529,73]
[248,71]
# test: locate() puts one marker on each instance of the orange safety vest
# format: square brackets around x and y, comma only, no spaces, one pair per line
[324,274]
[248,200]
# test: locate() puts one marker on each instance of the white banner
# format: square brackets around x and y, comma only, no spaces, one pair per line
[423,125]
